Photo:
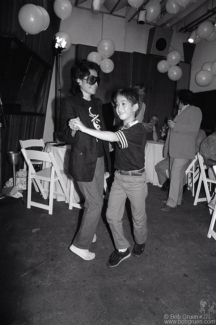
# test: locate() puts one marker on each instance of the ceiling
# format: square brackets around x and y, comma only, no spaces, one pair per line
[186,20]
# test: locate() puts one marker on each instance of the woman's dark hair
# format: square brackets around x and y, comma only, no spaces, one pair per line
[131,95]
[185,96]
[80,70]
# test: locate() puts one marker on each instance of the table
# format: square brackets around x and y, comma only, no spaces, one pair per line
[61,154]
[153,154]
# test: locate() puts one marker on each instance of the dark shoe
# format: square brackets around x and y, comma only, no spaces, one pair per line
[166,185]
[138,249]
[167,208]
[185,188]
[117,257]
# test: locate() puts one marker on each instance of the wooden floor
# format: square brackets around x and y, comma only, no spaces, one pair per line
[43,283]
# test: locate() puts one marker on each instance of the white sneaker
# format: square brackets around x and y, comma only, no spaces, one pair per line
[94,238]
[83,253]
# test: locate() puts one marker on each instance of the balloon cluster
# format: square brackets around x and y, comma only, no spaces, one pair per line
[206,30]
[62,8]
[105,50]
[173,6]
[33,19]
[170,65]
[204,77]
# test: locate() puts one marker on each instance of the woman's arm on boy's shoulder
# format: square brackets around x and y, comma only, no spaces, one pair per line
[102,135]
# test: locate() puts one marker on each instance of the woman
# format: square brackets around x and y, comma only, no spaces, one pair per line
[88,156]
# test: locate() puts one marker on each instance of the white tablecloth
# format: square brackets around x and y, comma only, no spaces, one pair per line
[153,154]
[61,154]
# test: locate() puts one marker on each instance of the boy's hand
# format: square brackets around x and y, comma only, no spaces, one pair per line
[79,125]
[72,123]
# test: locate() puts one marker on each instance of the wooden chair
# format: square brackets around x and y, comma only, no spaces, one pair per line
[203,179]
[51,174]
[192,174]
[211,232]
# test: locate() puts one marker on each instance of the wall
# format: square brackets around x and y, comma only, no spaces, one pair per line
[87,28]
[204,52]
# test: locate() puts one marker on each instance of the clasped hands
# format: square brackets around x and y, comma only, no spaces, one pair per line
[76,124]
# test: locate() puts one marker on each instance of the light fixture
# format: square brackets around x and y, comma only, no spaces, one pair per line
[142,17]
[192,37]
[97,4]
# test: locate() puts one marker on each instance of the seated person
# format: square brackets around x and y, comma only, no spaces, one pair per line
[152,128]
[208,151]
[162,167]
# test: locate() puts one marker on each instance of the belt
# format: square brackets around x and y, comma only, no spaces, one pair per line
[131,172]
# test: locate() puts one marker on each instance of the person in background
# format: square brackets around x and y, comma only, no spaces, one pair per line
[141,91]
[180,145]
[130,177]
[208,151]
[88,156]
[152,128]
[162,167]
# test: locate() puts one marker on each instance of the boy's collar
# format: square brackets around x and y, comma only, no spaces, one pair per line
[129,124]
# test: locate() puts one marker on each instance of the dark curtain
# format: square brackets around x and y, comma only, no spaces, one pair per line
[160,90]
[25,76]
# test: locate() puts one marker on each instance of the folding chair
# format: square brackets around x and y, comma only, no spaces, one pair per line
[203,179]
[192,173]
[51,174]
[211,232]
[33,143]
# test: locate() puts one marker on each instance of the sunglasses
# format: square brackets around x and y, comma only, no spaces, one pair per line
[91,80]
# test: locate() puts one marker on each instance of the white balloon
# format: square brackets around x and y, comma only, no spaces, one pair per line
[175,73]
[207,66]
[163,66]
[203,78]
[205,29]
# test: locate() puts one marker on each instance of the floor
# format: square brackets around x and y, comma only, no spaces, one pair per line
[42,282]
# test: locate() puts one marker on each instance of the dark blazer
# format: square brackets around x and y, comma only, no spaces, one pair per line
[180,142]
[84,152]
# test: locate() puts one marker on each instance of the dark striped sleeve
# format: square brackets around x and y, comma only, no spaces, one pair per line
[122,139]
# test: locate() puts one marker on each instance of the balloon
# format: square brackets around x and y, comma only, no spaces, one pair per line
[62,8]
[135,3]
[163,66]
[153,8]
[213,69]
[65,40]
[171,7]
[31,19]
[46,18]
[174,73]
[207,66]
[105,48]
[182,3]
[203,78]
[212,37]
[94,57]
[205,29]
[173,57]
[107,65]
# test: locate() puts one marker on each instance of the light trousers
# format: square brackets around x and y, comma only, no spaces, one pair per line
[135,189]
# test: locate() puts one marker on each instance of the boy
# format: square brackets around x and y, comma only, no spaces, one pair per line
[130,178]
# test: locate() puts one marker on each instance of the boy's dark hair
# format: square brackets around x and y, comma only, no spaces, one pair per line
[80,70]
[185,96]
[131,95]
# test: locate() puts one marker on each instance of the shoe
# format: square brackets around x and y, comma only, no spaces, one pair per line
[138,249]
[83,253]
[117,257]
[94,238]
[167,208]
[166,185]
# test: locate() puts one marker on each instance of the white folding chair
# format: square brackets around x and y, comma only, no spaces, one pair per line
[51,174]
[211,232]
[33,143]
[192,174]
[203,179]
